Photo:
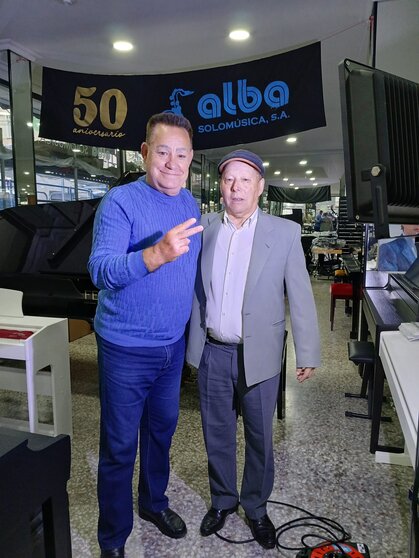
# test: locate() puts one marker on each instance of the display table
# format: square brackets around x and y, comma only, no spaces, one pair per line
[40,347]
[400,359]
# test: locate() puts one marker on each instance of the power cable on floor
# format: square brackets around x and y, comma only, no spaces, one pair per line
[336,534]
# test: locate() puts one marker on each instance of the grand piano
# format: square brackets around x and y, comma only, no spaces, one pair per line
[44,252]
[388,300]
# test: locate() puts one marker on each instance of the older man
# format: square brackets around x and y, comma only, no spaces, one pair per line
[236,338]
[143,260]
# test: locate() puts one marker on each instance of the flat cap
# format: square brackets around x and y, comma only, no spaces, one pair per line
[245,157]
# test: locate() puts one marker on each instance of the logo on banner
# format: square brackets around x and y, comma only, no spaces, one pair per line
[174,100]
[248,100]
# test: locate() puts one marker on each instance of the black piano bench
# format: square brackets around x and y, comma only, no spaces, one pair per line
[363,353]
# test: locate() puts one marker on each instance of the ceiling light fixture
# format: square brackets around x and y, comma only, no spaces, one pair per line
[302,162]
[309,172]
[285,179]
[265,163]
[291,140]
[312,178]
[122,46]
[296,188]
[315,183]
[277,172]
[239,35]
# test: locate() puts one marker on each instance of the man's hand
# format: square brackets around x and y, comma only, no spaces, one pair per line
[304,374]
[174,243]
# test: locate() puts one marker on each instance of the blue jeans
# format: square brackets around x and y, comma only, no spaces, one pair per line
[139,392]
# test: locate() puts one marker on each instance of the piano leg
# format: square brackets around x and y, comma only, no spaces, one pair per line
[56,526]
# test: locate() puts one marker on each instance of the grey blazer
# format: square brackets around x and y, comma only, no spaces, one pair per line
[277,258]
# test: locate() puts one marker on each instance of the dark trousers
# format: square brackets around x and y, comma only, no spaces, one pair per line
[139,391]
[223,392]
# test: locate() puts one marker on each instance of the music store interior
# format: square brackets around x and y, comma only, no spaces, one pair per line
[345,442]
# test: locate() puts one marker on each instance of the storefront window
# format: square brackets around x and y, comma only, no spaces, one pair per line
[7,186]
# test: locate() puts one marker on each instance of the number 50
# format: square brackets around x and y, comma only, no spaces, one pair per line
[81,97]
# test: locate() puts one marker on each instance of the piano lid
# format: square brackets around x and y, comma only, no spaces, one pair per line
[52,238]
[44,253]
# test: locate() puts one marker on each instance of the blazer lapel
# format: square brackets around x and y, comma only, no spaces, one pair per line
[260,252]
[209,239]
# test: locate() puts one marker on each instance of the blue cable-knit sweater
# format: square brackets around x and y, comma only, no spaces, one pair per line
[136,307]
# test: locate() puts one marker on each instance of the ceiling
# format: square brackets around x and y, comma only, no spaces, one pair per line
[176,36]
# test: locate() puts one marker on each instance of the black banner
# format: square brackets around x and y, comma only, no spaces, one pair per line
[302,195]
[228,105]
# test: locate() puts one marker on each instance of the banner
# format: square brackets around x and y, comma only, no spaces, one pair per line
[302,195]
[228,105]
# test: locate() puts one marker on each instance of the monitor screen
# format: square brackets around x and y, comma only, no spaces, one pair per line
[412,274]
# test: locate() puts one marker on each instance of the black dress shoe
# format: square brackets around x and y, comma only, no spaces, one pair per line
[113,553]
[168,521]
[263,530]
[214,520]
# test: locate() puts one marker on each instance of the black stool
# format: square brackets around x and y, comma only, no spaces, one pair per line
[362,353]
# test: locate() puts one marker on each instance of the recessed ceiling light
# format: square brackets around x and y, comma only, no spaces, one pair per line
[291,140]
[302,162]
[309,172]
[266,163]
[291,183]
[296,188]
[239,35]
[312,178]
[277,172]
[285,179]
[122,46]
[26,172]
[315,183]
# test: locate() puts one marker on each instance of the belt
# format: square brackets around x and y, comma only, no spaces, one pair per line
[222,343]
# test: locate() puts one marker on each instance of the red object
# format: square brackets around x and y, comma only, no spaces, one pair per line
[15,334]
[343,291]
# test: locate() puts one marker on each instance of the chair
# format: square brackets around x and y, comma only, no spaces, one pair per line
[362,353]
[339,291]
[41,345]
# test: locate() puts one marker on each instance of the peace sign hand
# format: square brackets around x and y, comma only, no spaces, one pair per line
[174,243]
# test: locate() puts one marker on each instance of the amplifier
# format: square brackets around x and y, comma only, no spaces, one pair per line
[349,549]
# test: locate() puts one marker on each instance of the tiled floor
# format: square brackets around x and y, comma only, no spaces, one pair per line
[322,462]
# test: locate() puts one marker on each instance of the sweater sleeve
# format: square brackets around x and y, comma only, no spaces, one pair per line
[110,265]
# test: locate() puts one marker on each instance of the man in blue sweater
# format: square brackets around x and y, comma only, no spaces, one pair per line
[143,260]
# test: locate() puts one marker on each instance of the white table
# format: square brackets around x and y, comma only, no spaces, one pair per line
[400,359]
[46,347]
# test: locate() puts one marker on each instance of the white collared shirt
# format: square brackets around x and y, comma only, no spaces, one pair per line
[228,279]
